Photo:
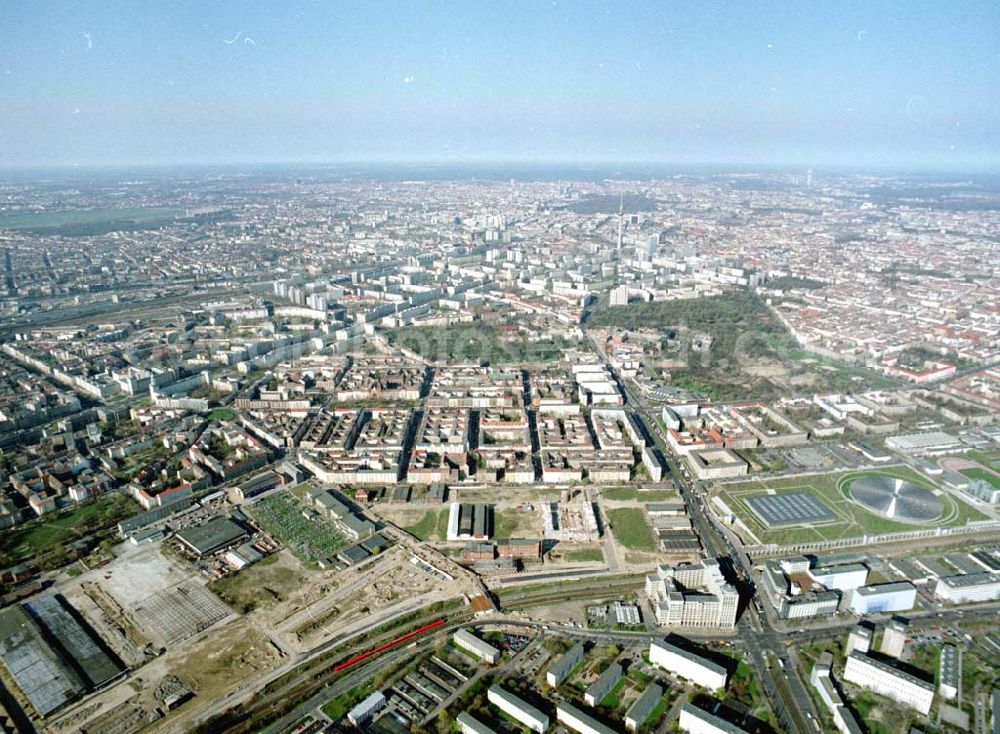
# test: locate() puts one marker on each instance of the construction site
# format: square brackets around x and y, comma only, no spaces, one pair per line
[184,641]
[572,519]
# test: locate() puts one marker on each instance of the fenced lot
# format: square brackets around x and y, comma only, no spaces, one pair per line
[285,518]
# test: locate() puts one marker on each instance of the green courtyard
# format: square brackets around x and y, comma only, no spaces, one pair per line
[48,535]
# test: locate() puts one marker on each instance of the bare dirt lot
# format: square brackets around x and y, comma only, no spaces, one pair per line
[222,660]
[279,585]
[209,666]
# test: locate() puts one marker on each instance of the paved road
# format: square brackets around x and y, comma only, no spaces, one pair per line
[667,725]
[610,544]
[791,701]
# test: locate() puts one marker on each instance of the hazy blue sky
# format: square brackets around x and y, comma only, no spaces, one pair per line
[812,83]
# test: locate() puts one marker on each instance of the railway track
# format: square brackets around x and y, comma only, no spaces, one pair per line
[509,600]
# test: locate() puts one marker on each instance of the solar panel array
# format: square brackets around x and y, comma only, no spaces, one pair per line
[794,508]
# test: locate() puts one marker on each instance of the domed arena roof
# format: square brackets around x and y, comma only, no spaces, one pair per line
[896,499]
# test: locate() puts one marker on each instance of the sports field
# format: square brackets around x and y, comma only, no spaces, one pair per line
[989,459]
[850,519]
[985,475]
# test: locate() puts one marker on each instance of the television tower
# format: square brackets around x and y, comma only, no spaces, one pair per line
[621,218]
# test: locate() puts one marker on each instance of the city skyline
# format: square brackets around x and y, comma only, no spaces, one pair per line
[273,437]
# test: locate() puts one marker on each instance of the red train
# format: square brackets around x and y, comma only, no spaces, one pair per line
[390,644]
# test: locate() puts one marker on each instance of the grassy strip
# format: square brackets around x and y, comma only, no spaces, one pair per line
[584,555]
[623,494]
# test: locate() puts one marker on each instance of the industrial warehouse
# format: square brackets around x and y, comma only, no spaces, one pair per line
[51,654]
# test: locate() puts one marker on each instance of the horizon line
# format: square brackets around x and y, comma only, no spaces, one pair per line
[734,166]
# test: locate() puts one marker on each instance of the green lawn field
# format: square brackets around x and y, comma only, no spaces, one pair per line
[40,536]
[434,523]
[631,493]
[630,529]
[221,414]
[89,217]
[584,555]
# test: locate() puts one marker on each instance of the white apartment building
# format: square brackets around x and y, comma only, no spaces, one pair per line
[890,682]
[822,681]
[968,588]
[481,649]
[676,603]
[699,721]
[561,668]
[573,718]
[604,684]
[687,665]
[517,708]
[893,639]
[643,707]
[893,597]
[950,672]
[364,711]
[618,296]
[859,639]
[469,724]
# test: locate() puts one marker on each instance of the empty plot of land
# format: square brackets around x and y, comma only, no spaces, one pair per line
[140,572]
[426,525]
[221,661]
[631,530]
[277,579]
[181,612]
[513,523]
[794,508]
